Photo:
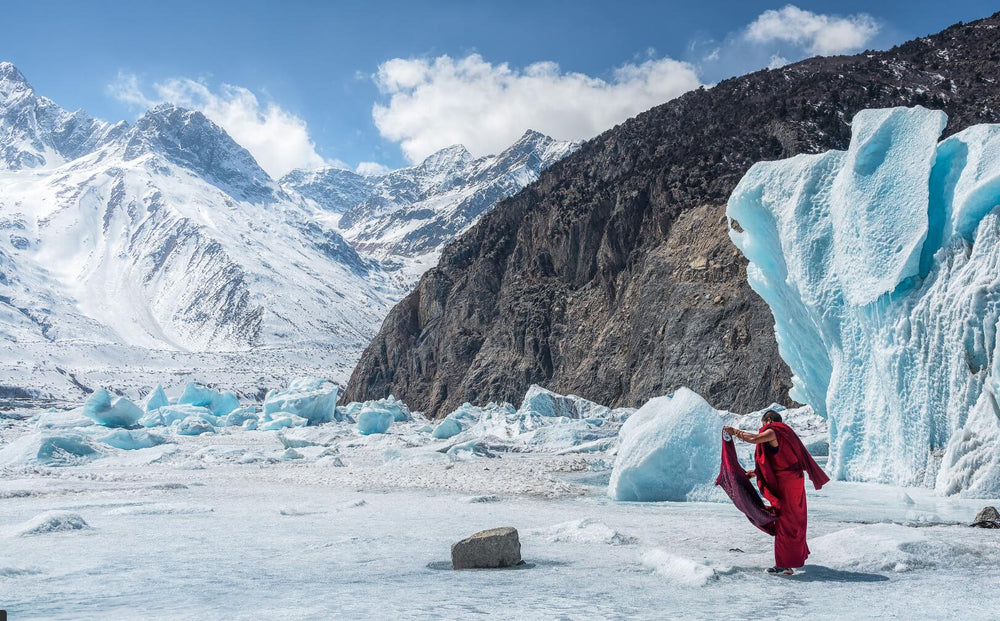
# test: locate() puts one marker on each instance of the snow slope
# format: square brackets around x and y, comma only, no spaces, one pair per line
[164,237]
[881,265]
[414,211]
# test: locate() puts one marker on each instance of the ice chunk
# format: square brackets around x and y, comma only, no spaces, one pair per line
[308,397]
[156,399]
[679,569]
[49,449]
[219,403]
[291,454]
[587,530]
[547,403]
[63,419]
[51,522]
[374,419]
[281,421]
[239,417]
[667,448]
[457,421]
[171,414]
[879,265]
[117,412]
[194,426]
[131,439]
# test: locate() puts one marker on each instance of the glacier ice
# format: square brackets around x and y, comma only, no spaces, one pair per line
[458,421]
[670,446]
[50,449]
[542,402]
[117,412]
[171,414]
[130,440]
[311,398]
[156,399]
[51,522]
[194,426]
[219,403]
[374,419]
[881,265]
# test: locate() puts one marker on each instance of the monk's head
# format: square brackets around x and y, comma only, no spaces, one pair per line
[770,416]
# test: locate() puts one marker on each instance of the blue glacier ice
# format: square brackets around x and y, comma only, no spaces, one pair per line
[194,426]
[668,448]
[458,421]
[374,419]
[156,399]
[68,448]
[881,265]
[220,403]
[309,397]
[131,440]
[117,412]
[168,415]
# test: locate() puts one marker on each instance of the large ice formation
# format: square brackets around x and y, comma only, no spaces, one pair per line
[670,446]
[117,412]
[311,398]
[220,403]
[881,265]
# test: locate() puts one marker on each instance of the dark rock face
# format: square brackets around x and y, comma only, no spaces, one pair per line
[488,549]
[613,277]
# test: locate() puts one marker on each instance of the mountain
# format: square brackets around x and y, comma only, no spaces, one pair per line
[414,211]
[613,277]
[162,251]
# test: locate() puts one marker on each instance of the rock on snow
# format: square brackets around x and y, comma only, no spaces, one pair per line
[488,549]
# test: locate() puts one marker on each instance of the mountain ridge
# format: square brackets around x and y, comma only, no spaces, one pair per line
[612,275]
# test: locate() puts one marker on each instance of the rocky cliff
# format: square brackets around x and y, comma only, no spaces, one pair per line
[612,276]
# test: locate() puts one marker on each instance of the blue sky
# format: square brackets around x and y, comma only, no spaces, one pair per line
[307,83]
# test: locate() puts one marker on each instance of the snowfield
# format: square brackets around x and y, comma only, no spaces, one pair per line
[323,522]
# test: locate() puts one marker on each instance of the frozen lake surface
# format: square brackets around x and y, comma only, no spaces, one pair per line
[225,526]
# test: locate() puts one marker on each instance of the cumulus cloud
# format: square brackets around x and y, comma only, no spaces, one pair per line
[278,139]
[371,169]
[434,103]
[814,32]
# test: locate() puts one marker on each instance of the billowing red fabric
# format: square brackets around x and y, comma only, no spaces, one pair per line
[780,478]
[734,481]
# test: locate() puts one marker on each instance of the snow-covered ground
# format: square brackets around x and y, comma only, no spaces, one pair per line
[269,524]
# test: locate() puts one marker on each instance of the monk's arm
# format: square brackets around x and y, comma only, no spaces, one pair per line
[752,438]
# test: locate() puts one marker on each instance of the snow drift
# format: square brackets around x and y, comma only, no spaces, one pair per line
[881,265]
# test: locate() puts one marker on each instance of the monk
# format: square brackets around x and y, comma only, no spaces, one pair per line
[780,459]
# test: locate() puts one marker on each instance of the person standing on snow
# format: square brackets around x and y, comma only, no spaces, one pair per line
[780,459]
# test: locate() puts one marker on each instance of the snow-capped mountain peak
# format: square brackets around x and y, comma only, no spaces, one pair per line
[189,139]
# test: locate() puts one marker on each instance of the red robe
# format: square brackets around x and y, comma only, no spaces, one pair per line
[779,476]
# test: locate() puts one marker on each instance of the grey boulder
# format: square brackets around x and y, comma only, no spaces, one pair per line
[988,517]
[488,549]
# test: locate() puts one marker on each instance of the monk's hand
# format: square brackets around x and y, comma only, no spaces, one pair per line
[729,430]
[751,473]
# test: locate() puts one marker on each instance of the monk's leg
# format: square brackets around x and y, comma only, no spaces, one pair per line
[790,549]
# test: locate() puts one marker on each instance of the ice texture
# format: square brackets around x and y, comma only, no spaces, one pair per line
[130,440]
[156,399]
[117,412]
[458,421]
[542,402]
[669,447]
[374,419]
[49,449]
[309,397]
[168,415]
[881,266]
[219,403]
[194,426]
[51,522]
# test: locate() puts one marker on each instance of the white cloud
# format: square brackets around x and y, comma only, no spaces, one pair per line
[277,139]
[371,169]
[434,103]
[814,32]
